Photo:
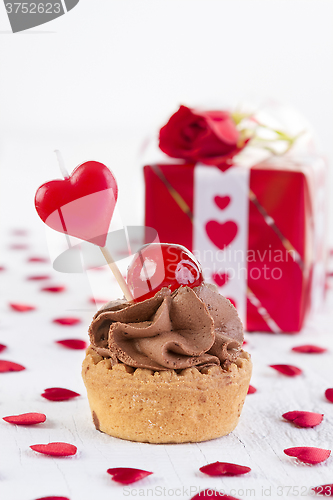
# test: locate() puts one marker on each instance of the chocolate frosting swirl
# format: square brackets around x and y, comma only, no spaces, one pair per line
[175,330]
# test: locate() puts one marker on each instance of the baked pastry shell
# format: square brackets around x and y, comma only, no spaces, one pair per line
[168,406]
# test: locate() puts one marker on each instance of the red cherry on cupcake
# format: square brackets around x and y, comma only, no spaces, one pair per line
[161,265]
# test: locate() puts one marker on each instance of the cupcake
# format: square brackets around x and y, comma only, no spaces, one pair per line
[169,366]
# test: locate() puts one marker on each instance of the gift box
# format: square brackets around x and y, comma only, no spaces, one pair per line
[257,228]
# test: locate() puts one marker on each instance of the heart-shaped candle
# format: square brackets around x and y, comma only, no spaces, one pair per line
[80,205]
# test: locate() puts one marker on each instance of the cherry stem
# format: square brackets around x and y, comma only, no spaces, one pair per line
[117,274]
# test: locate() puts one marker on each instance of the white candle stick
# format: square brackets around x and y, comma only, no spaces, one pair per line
[117,274]
[61,163]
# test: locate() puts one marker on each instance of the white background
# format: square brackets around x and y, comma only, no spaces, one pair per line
[96,83]
[100,80]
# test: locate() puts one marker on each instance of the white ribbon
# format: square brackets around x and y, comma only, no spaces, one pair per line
[209,183]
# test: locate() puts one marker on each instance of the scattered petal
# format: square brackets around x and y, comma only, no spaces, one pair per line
[53,498]
[26,419]
[38,277]
[304,418]
[2,268]
[308,454]
[245,342]
[209,493]
[38,259]
[67,321]
[309,349]
[19,246]
[251,390]
[22,307]
[125,475]
[329,394]
[289,370]
[94,300]
[9,366]
[2,347]
[55,449]
[59,394]
[20,232]
[73,343]
[224,469]
[53,289]
[325,490]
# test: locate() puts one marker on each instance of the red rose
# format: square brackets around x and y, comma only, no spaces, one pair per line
[210,137]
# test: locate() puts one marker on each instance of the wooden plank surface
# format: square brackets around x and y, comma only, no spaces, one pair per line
[257,442]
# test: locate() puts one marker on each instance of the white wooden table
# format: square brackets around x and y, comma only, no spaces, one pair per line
[257,442]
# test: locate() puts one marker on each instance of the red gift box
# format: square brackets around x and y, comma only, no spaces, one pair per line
[258,231]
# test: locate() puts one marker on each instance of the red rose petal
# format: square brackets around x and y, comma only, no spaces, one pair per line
[125,475]
[92,300]
[38,259]
[18,246]
[2,268]
[304,418]
[67,321]
[325,490]
[2,347]
[209,493]
[329,394]
[38,277]
[251,390]
[59,394]
[224,469]
[22,307]
[9,366]
[309,349]
[308,454]
[289,370]
[53,498]
[26,419]
[55,449]
[73,343]
[53,289]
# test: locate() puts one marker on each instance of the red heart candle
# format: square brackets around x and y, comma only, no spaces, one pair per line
[80,205]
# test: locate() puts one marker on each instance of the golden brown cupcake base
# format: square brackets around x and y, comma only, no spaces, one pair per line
[164,406]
